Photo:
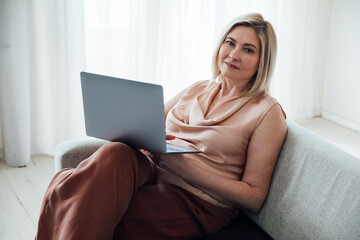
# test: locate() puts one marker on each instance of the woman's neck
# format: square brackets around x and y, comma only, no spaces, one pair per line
[229,88]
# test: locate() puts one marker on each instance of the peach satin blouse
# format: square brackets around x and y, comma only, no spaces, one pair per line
[222,133]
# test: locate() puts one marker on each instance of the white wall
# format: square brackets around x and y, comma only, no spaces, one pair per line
[341,100]
[1,144]
[303,32]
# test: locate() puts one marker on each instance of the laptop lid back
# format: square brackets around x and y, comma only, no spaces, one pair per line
[125,111]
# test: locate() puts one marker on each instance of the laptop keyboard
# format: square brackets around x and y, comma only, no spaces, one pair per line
[172,148]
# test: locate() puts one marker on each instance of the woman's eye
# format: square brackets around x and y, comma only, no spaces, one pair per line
[230,43]
[248,50]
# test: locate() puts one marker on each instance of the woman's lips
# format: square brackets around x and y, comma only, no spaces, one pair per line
[231,65]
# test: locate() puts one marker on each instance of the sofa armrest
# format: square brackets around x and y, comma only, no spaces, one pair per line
[69,154]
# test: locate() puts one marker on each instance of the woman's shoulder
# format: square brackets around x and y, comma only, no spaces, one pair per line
[267,102]
[270,101]
[266,97]
[199,86]
[203,85]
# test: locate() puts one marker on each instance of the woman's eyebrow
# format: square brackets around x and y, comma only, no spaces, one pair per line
[251,45]
[245,44]
[232,39]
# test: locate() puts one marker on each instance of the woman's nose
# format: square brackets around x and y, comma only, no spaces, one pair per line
[235,54]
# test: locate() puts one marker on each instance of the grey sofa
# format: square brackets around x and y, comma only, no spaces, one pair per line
[315,191]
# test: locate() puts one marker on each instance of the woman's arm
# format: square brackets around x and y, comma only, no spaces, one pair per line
[251,191]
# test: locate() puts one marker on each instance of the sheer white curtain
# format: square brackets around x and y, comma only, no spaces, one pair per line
[165,42]
[42,53]
[45,44]
[171,43]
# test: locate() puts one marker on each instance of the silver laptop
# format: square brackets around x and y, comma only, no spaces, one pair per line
[126,111]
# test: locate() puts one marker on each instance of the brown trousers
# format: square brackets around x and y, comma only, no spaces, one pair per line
[114,195]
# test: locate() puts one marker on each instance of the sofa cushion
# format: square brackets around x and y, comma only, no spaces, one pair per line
[315,191]
[242,228]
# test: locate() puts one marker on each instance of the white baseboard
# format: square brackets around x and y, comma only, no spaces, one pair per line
[342,121]
[316,112]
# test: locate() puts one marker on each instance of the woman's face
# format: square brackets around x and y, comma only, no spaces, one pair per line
[239,55]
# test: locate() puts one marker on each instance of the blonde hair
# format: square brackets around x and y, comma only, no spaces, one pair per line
[259,84]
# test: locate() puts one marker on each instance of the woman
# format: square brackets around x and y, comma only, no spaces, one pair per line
[122,193]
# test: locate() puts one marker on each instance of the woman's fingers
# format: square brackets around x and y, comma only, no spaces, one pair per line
[147,153]
[151,155]
[170,137]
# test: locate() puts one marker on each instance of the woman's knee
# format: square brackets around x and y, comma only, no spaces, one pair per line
[116,155]
[115,152]
[117,148]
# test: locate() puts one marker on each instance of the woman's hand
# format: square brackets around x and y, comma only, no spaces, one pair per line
[149,154]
